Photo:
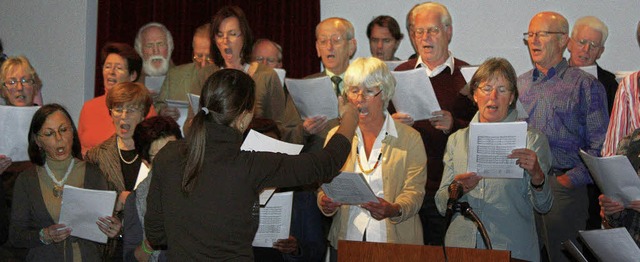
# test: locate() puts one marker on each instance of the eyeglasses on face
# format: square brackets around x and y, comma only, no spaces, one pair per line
[432,31]
[202,57]
[367,94]
[541,34]
[232,35]
[582,42]
[13,82]
[50,133]
[118,111]
[335,40]
[487,90]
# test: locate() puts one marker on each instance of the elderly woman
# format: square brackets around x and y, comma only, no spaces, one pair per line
[120,63]
[391,156]
[150,136]
[20,82]
[505,206]
[54,148]
[205,207]
[233,42]
[614,213]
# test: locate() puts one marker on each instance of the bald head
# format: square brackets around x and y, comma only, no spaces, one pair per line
[547,39]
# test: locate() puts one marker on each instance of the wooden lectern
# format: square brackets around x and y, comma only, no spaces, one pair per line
[372,252]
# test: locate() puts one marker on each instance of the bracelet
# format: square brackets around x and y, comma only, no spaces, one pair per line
[42,238]
[144,248]
[537,186]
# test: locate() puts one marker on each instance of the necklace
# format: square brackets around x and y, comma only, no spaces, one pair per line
[366,172]
[122,158]
[58,186]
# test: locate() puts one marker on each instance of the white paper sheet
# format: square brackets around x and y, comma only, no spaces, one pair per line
[349,188]
[613,244]
[266,195]
[14,127]
[393,64]
[615,176]
[281,74]
[194,102]
[313,97]
[81,208]
[489,146]
[143,172]
[414,94]
[183,107]
[592,70]
[275,220]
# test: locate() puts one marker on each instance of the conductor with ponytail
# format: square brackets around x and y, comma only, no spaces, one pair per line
[203,198]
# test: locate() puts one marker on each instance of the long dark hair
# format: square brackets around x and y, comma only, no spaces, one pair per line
[226,94]
[38,156]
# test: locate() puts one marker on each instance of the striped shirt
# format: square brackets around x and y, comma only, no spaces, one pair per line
[625,117]
[570,107]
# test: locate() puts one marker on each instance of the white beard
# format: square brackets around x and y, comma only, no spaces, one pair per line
[151,70]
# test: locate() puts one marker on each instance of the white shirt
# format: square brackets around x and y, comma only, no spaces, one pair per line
[438,69]
[360,219]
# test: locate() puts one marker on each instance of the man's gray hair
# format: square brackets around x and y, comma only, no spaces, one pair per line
[445,16]
[138,41]
[593,23]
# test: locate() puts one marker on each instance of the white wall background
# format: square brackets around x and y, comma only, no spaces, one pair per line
[488,28]
[59,38]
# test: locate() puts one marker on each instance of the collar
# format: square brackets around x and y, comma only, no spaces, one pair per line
[431,73]
[330,74]
[553,71]
[388,127]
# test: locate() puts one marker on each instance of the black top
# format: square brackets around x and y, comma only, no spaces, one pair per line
[130,171]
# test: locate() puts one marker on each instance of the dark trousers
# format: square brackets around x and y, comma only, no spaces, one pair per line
[432,222]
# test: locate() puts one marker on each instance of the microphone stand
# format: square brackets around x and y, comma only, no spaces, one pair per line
[465,209]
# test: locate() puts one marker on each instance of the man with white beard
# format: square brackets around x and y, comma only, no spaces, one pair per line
[154,44]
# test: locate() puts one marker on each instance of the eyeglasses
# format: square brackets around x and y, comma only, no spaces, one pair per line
[232,35]
[335,40]
[118,111]
[116,67]
[270,60]
[583,42]
[202,57]
[487,90]
[367,94]
[432,31]
[50,133]
[13,83]
[541,34]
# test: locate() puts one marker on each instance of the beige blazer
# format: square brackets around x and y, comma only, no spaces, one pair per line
[404,176]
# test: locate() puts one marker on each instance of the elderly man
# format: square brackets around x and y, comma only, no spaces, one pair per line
[569,106]
[586,46]
[267,52]
[384,37]
[187,78]
[430,29]
[154,44]
[335,44]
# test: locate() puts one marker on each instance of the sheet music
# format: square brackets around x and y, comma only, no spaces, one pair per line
[414,94]
[615,176]
[281,74]
[349,188]
[275,220]
[489,146]
[183,107]
[81,208]
[613,244]
[194,102]
[592,70]
[393,64]
[313,97]
[14,127]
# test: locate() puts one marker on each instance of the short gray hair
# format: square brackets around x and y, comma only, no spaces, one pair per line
[445,16]
[593,23]
[370,72]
